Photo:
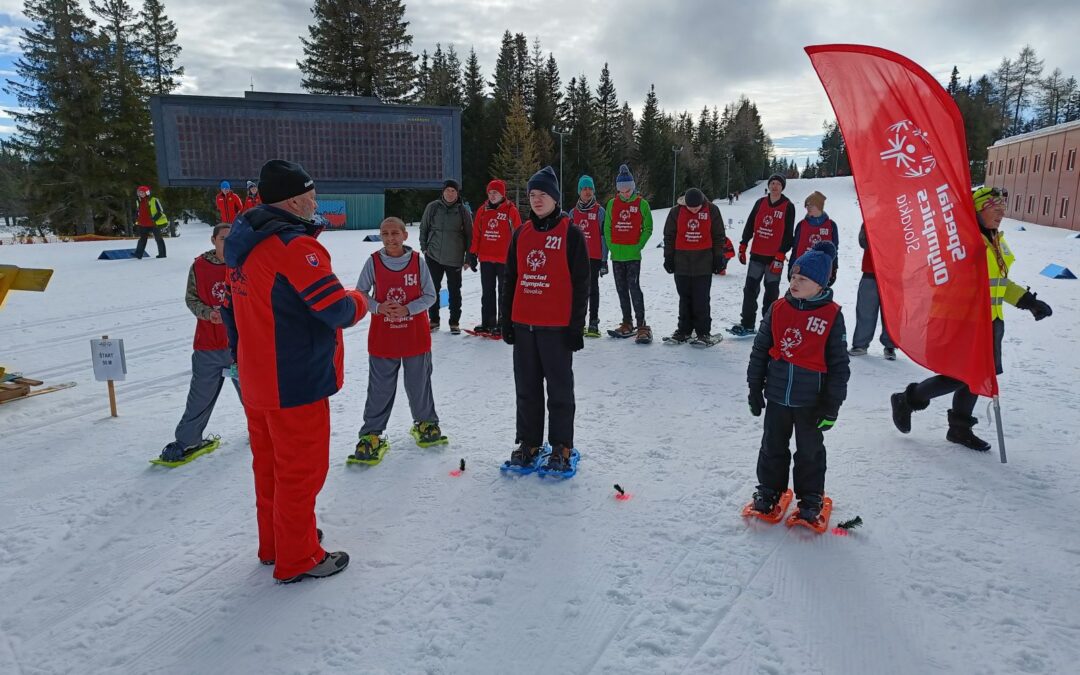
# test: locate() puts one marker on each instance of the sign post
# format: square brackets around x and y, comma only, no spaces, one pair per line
[109,365]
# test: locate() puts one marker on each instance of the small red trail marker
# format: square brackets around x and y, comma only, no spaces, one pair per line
[622,495]
[460,470]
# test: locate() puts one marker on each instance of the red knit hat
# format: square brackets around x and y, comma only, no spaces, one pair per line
[143,188]
[498,186]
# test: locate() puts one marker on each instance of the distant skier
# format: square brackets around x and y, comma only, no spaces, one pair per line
[770,224]
[493,226]
[627,227]
[868,307]
[693,250]
[799,364]
[989,212]
[544,305]
[397,285]
[814,227]
[211,355]
[588,216]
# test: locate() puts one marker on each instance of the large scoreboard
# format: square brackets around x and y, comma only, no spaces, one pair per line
[348,144]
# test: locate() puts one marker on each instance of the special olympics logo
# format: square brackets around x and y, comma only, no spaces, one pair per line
[536,259]
[492,224]
[218,291]
[396,294]
[791,339]
[909,150]
[693,225]
[815,239]
[767,221]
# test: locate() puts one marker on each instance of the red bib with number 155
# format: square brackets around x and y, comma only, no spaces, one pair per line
[799,335]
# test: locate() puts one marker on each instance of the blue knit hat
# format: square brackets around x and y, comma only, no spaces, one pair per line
[224,185]
[545,180]
[817,263]
[585,182]
[625,179]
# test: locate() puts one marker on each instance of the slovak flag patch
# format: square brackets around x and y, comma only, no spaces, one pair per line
[313,259]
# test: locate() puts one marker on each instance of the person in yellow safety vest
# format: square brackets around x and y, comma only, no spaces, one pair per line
[149,217]
[989,211]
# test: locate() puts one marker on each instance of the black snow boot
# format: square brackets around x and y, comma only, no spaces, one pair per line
[810,507]
[903,404]
[765,499]
[960,432]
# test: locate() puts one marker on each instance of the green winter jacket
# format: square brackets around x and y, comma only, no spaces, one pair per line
[627,252]
[446,232]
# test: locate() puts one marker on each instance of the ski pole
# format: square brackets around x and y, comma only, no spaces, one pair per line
[1000,429]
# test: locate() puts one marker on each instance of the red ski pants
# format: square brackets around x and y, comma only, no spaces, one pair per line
[290,450]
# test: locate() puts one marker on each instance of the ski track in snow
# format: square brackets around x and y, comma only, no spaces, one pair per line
[111,565]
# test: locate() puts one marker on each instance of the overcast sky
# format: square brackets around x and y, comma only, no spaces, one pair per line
[696,52]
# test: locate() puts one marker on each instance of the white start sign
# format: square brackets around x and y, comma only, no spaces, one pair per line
[108,358]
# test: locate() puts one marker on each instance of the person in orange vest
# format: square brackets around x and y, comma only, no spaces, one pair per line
[229,204]
[693,250]
[799,364]
[211,354]
[150,218]
[253,197]
[399,290]
[547,294]
[493,227]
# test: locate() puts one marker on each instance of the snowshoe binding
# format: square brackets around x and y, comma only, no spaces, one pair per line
[525,460]
[677,338]
[768,505]
[175,454]
[428,434]
[644,335]
[705,341]
[813,513]
[592,331]
[562,462]
[741,331]
[625,330]
[370,450]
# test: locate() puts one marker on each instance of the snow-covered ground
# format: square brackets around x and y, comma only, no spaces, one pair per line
[110,565]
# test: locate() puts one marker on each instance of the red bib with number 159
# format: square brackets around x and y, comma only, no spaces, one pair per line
[799,335]
[542,289]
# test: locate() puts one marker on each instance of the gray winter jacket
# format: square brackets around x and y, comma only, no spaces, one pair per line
[446,232]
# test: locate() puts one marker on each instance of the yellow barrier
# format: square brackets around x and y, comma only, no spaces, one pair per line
[13,278]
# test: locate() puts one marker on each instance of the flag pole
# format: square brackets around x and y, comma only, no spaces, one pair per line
[1000,430]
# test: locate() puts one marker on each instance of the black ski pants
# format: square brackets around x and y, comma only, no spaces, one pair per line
[964,400]
[775,455]
[492,275]
[695,295]
[542,355]
[628,286]
[144,234]
[757,271]
[453,283]
[594,291]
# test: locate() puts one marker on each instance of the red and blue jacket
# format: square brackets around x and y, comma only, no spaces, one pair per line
[284,310]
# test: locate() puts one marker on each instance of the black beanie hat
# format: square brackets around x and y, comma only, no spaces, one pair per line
[693,197]
[776,176]
[451,183]
[280,179]
[545,180]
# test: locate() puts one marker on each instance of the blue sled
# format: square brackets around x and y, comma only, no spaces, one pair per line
[541,458]
[575,456]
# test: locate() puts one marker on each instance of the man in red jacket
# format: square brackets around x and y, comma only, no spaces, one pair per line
[284,313]
[229,204]
[211,355]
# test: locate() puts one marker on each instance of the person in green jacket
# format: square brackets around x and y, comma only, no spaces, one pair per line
[627,227]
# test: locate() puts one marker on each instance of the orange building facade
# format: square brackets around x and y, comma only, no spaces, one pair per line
[1041,171]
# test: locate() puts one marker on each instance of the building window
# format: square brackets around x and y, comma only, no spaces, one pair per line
[1070,163]
[1064,208]
[999,167]
[1053,162]
[1031,203]
[1035,164]
[990,169]
[1016,204]
[1023,164]
[1046,206]
[1010,165]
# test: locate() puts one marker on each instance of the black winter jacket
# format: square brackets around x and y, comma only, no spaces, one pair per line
[694,263]
[797,387]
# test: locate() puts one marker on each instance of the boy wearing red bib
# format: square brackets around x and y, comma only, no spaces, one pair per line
[544,303]
[770,225]
[693,250]
[399,290]
[588,216]
[799,363]
[627,227]
[816,226]
[493,225]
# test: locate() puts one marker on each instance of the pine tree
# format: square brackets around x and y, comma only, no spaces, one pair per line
[547,97]
[157,37]
[59,88]
[608,129]
[441,83]
[478,138]
[126,146]
[583,151]
[503,86]
[359,48]
[954,82]
[517,158]
[650,153]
